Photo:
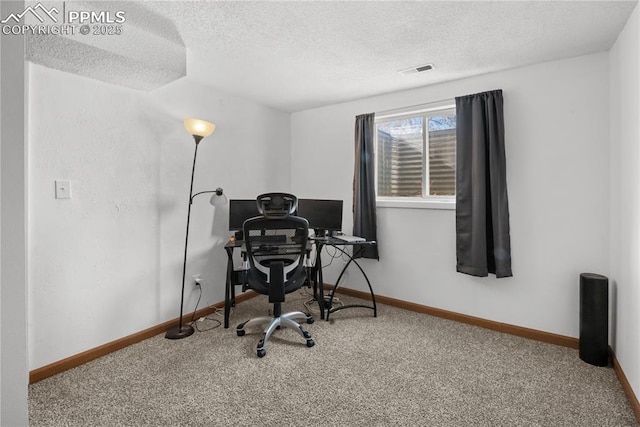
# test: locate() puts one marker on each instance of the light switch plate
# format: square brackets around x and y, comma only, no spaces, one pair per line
[63,189]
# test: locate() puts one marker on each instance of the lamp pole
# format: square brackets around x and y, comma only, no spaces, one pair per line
[199,129]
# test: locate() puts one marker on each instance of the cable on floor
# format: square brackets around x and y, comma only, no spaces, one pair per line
[312,304]
[194,323]
[217,324]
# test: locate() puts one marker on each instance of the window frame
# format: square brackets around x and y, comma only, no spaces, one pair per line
[427,201]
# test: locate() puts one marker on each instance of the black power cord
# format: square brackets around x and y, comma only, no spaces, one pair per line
[194,323]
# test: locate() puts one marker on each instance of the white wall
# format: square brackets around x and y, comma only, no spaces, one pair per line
[557,146]
[108,262]
[625,200]
[13,256]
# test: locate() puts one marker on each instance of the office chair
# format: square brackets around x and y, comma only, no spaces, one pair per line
[275,254]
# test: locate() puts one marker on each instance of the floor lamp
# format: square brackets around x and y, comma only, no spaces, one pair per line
[199,129]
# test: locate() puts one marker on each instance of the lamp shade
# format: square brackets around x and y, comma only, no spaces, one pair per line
[198,127]
[218,198]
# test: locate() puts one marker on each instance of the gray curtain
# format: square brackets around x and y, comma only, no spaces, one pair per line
[482,209]
[364,192]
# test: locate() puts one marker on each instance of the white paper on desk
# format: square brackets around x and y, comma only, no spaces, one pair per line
[347,238]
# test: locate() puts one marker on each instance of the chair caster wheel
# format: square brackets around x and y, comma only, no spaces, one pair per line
[240,332]
[310,320]
[261,352]
[310,343]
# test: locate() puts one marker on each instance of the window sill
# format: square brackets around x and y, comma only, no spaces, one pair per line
[444,203]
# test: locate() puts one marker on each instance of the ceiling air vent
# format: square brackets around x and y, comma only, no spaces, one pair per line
[416,70]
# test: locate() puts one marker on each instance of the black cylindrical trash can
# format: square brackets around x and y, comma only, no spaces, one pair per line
[594,319]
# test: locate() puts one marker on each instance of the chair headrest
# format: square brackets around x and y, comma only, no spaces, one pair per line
[277,205]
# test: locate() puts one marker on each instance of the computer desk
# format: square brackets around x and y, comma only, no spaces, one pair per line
[234,277]
[340,245]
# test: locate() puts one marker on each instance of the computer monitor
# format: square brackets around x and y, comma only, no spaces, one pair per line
[241,210]
[321,214]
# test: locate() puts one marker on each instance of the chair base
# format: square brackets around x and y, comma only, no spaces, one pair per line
[285,320]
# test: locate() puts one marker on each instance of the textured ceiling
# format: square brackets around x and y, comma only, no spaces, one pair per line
[297,55]
[147,55]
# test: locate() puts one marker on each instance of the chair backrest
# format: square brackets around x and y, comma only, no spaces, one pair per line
[276,248]
[277,205]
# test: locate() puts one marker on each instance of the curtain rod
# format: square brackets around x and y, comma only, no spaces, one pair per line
[419,108]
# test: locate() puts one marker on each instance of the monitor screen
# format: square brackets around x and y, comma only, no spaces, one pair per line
[241,210]
[321,214]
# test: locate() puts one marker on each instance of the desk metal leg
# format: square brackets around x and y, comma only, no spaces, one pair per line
[319,284]
[228,288]
[333,291]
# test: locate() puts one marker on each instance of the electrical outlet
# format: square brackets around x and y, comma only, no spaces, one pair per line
[197,281]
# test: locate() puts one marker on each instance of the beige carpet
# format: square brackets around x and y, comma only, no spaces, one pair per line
[399,369]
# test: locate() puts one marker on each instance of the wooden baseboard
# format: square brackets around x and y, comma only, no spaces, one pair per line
[506,328]
[94,353]
[631,396]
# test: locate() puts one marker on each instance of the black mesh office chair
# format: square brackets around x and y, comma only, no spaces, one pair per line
[276,250]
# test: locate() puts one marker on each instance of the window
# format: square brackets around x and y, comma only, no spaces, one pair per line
[416,155]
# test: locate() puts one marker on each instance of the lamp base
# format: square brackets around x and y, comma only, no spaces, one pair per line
[178,332]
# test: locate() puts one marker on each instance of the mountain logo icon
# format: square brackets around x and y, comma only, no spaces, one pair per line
[34,11]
